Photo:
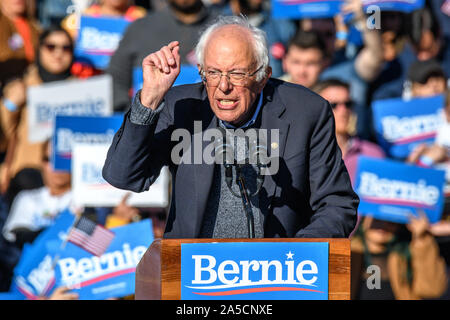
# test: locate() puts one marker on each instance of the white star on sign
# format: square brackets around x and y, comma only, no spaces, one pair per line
[290,255]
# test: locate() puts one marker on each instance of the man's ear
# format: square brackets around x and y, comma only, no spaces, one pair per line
[199,67]
[266,78]
[268,72]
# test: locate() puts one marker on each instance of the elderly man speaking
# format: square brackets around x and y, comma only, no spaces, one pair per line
[308,195]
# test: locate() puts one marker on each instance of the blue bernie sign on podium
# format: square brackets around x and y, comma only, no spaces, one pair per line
[254,271]
[393,191]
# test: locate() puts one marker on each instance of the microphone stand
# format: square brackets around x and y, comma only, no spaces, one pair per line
[245,201]
[223,150]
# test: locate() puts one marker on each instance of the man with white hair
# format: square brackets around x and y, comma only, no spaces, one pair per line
[308,195]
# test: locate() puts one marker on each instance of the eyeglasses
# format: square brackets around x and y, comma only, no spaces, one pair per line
[52,47]
[236,78]
[348,104]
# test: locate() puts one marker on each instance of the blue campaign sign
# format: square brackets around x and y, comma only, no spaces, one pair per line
[395,5]
[98,39]
[33,274]
[254,271]
[80,129]
[298,9]
[402,125]
[110,275]
[391,190]
[188,74]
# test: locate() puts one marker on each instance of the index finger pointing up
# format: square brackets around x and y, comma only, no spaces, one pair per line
[173,44]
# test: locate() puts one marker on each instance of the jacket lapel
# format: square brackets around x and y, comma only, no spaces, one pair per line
[271,120]
[203,173]
[271,112]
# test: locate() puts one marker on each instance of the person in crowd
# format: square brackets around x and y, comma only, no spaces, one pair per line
[234,64]
[337,93]
[408,258]
[52,12]
[181,18]
[305,59]
[54,59]
[437,155]
[360,68]
[35,209]
[426,78]
[106,8]
[278,31]
[416,36]
[427,39]
[19,33]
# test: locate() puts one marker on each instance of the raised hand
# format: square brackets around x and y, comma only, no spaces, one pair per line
[160,70]
[124,212]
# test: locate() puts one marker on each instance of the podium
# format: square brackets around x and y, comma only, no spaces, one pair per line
[158,274]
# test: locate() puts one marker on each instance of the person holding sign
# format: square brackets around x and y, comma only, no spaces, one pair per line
[308,195]
[19,33]
[53,62]
[110,8]
[405,259]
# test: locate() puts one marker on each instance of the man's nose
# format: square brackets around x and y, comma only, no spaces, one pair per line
[225,84]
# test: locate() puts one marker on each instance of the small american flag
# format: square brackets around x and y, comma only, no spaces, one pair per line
[90,236]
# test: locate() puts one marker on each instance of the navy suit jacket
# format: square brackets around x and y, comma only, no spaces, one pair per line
[310,196]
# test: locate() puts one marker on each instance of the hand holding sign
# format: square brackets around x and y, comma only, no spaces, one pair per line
[62,293]
[418,226]
[160,70]
[355,7]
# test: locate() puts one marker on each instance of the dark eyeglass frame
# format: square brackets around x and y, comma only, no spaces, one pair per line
[348,104]
[52,47]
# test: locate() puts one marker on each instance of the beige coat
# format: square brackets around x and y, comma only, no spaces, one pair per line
[428,269]
[15,127]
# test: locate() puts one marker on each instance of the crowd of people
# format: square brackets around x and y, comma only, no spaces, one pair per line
[406,56]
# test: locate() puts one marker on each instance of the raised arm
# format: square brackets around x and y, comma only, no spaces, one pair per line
[140,147]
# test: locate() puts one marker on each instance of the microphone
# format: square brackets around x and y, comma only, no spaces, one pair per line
[224,154]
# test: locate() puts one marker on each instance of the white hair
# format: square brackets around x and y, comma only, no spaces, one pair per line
[259,43]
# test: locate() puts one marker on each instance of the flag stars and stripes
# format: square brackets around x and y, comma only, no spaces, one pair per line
[91,236]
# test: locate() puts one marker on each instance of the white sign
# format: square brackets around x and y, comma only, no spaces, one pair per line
[90,97]
[90,189]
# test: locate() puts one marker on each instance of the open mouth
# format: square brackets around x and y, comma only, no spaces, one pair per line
[226,104]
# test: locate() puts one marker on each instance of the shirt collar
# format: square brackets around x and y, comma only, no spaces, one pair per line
[248,123]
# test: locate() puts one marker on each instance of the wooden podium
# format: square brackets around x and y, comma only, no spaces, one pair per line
[158,274]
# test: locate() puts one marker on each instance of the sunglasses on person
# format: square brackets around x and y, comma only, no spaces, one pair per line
[348,104]
[52,47]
